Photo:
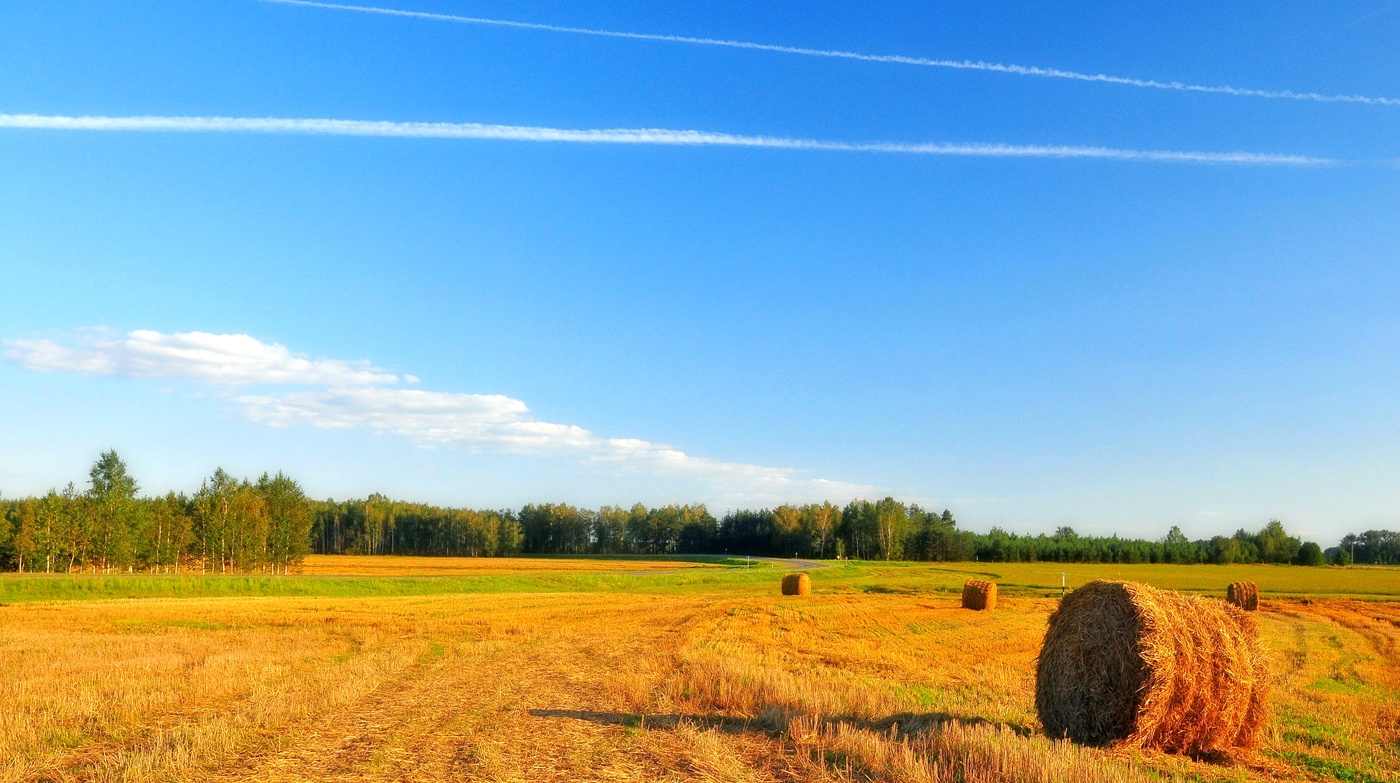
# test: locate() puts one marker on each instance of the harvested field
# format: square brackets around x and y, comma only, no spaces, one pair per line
[726,682]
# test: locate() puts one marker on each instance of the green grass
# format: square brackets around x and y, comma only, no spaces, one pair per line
[1043,579]
[1015,579]
[16,588]
[1329,768]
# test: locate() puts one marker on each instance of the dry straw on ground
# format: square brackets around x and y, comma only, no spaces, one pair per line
[1129,664]
[797,584]
[979,594]
[873,687]
[1245,595]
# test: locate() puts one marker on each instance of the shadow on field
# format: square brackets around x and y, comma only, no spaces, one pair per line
[775,723]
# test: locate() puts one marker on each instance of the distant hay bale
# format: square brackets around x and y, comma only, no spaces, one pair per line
[1245,595]
[980,594]
[1129,664]
[797,584]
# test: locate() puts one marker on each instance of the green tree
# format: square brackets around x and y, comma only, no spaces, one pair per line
[819,523]
[509,537]
[610,531]
[698,530]
[1177,548]
[788,537]
[8,527]
[1225,551]
[248,530]
[115,514]
[1275,545]
[892,522]
[288,522]
[166,533]
[27,537]
[214,517]
[1310,554]
[66,519]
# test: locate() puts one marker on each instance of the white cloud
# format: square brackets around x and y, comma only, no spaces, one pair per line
[195,356]
[423,416]
[500,422]
[649,136]
[965,65]
[358,396]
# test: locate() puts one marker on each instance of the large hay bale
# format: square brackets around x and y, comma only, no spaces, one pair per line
[1125,663]
[980,594]
[797,584]
[1245,595]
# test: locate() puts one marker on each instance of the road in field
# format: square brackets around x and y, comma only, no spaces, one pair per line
[792,564]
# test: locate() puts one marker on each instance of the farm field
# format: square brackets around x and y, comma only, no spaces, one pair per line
[388,565]
[1044,578]
[349,576]
[601,674]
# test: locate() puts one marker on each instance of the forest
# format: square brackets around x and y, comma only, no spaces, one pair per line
[233,525]
[880,530]
[229,526]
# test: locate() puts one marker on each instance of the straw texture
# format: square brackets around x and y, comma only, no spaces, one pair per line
[1245,595]
[980,595]
[1129,664]
[797,584]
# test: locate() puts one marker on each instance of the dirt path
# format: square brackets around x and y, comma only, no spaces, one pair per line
[793,564]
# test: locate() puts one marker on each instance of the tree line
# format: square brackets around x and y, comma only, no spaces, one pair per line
[885,529]
[880,530]
[229,526]
[1380,547]
[268,526]
[1271,544]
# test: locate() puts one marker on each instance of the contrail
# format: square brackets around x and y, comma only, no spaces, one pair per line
[966,65]
[656,136]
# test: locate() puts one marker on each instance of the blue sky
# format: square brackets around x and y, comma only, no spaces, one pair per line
[1045,338]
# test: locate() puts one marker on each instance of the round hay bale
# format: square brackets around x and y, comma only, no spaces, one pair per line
[980,595]
[797,584]
[1245,595]
[1129,664]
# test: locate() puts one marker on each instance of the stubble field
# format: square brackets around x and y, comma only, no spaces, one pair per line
[684,674]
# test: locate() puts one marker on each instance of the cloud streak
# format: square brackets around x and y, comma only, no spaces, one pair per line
[646,136]
[224,359]
[356,395]
[965,65]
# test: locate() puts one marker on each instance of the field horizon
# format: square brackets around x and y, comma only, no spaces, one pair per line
[429,391]
[342,575]
[636,668]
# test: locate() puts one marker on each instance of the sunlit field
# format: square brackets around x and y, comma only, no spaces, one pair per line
[604,672]
[1044,578]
